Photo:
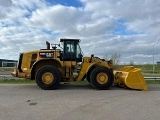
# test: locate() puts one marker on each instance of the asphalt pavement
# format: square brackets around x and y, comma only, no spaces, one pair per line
[78,102]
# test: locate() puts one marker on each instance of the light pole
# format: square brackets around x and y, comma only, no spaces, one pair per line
[153,56]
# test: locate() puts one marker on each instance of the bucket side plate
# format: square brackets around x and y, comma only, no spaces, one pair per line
[130,77]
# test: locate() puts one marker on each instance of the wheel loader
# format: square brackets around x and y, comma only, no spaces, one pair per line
[64,62]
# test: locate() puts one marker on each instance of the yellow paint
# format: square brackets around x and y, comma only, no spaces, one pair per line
[130,77]
[102,78]
[84,69]
[69,63]
[47,78]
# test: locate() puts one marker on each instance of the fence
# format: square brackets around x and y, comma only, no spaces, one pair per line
[152,78]
[9,64]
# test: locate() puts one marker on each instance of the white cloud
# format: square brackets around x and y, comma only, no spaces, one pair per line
[26,25]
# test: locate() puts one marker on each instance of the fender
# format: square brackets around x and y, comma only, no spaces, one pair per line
[84,70]
[90,68]
[42,62]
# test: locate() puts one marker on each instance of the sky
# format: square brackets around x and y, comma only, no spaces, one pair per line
[130,28]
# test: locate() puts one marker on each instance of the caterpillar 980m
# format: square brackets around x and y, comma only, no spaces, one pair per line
[51,66]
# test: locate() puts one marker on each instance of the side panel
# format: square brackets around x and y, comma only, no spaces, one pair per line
[26,62]
[20,62]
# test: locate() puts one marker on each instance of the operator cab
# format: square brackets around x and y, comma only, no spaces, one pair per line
[71,50]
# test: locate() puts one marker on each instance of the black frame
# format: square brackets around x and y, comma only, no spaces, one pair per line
[72,54]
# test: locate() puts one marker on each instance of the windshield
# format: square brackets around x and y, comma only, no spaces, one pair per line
[79,51]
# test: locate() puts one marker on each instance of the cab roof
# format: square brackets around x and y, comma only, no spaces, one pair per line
[69,39]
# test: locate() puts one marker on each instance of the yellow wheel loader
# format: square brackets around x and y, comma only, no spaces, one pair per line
[51,66]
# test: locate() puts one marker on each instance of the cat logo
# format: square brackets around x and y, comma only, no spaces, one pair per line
[49,55]
[46,55]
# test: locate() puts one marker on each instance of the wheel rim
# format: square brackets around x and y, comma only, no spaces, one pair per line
[47,78]
[102,78]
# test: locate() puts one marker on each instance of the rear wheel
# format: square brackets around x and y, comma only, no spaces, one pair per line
[88,77]
[101,78]
[48,77]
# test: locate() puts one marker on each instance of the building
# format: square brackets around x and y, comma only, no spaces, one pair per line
[8,63]
[158,63]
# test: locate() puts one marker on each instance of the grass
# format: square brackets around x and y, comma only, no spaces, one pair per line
[147,70]
[16,81]
[153,81]
[27,81]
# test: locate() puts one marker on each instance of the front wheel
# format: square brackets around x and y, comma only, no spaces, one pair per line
[48,78]
[101,78]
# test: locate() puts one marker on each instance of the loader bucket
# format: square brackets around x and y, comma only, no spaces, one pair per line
[130,77]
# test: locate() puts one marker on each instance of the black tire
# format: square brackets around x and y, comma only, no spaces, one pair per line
[88,78]
[89,73]
[101,78]
[48,78]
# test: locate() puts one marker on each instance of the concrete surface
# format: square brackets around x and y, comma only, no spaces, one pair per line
[5,72]
[78,102]
[7,75]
